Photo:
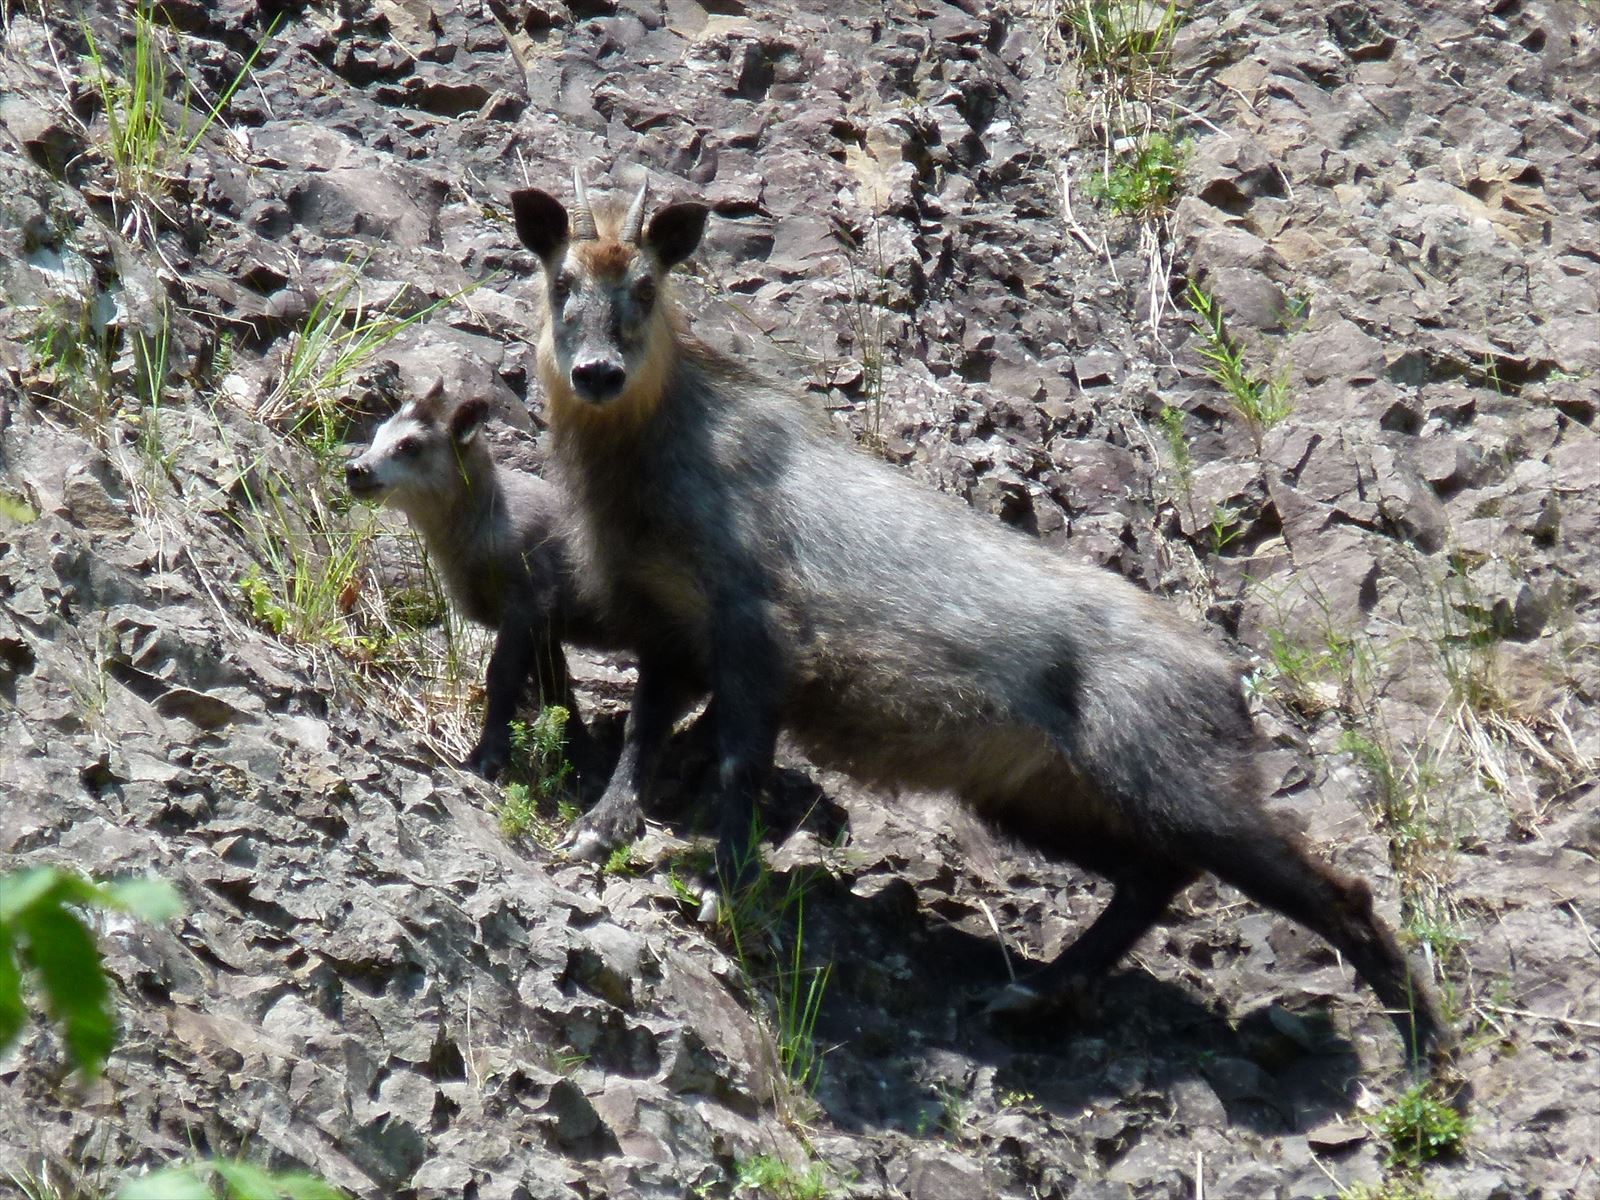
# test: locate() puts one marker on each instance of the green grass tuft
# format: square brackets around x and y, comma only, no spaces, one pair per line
[768,1177]
[1120,36]
[535,802]
[1144,181]
[1262,402]
[1419,1127]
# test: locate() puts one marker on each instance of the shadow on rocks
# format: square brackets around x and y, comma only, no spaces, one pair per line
[906,1006]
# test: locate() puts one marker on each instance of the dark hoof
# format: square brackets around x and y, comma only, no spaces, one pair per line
[602,830]
[1016,1001]
[1436,1061]
[1028,1001]
[587,845]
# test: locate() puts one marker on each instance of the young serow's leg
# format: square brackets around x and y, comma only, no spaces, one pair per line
[507,680]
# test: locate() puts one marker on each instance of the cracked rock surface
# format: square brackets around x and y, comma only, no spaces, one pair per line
[1394,206]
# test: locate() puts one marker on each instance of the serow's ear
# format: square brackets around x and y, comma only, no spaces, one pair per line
[675,231]
[467,419]
[428,404]
[541,222]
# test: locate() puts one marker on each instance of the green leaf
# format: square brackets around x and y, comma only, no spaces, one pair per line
[174,1183]
[21,890]
[297,1185]
[148,897]
[12,1013]
[62,950]
[247,1182]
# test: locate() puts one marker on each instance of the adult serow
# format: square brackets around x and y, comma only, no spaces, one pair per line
[898,635]
[494,535]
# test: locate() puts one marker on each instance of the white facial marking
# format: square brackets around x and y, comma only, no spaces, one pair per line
[389,467]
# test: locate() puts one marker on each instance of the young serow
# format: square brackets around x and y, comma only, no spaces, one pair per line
[494,534]
[895,633]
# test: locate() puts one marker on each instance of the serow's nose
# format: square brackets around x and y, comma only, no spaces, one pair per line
[598,379]
[358,477]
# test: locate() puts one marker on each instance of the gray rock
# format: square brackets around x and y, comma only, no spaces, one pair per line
[372,983]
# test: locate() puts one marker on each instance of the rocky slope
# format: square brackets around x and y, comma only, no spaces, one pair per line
[206,668]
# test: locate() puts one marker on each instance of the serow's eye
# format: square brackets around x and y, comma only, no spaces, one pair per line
[561,289]
[644,293]
[408,448]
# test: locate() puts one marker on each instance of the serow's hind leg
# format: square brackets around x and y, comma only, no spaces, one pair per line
[1274,866]
[1136,905]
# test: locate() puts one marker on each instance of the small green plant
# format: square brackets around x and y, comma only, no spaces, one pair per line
[304,585]
[1434,928]
[1121,36]
[264,608]
[1399,805]
[1144,181]
[1489,373]
[1396,1188]
[1170,422]
[685,893]
[1305,676]
[222,356]
[218,1179]
[1419,1127]
[754,918]
[148,134]
[622,863]
[1468,640]
[569,1062]
[1018,1099]
[1226,528]
[418,607]
[150,361]
[518,810]
[1263,403]
[797,998]
[43,935]
[535,802]
[868,316]
[139,134]
[1296,312]
[953,1105]
[16,509]
[71,354]
[768,1177]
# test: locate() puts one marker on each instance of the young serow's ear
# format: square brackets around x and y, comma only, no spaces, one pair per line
[541,222]
[467,419]
[429,404]
[675,231]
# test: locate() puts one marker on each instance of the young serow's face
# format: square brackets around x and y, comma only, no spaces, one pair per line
[606,329]
[416,453]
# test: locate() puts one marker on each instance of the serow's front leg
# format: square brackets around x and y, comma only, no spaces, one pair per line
[659,698]
[504,686]
[747,693]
